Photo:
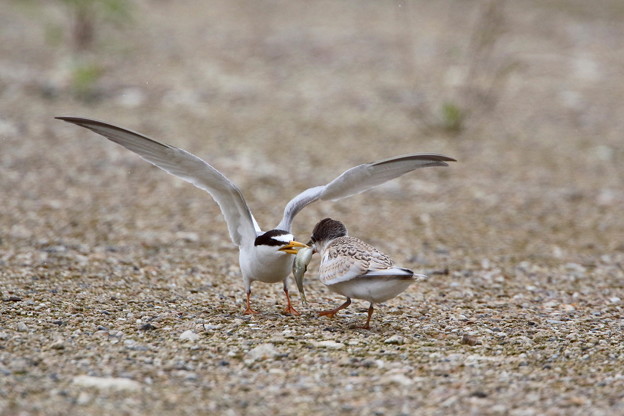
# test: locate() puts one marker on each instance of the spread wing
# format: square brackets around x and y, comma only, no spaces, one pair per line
[359,179]
[241,223]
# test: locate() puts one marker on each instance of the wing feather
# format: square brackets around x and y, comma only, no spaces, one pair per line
[241,224]
[359,179]
[348,258]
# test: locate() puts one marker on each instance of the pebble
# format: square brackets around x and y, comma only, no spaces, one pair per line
[399,379]
[470,340]
[22,327]
[58,345]
[83,398]
[189,335]
[112,383]
[328,344]
[261,352]
[187,236]
[395,340]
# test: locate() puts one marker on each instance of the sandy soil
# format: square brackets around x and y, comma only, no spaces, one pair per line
[121,291]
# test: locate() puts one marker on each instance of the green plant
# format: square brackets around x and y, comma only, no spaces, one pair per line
[84,76]
[452,117]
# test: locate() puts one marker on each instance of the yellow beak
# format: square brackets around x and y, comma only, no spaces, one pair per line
[292,248]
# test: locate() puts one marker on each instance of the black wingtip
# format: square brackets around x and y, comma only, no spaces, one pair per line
[85,122]
[434,159]
[100,128]
[441,158]
[74,120]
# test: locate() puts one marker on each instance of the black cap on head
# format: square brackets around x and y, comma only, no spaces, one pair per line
[328,229]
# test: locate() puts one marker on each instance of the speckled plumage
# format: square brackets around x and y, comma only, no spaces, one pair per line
[355,269]
[351,256]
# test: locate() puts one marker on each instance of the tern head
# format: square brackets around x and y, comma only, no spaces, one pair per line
[325,231]
[280,239]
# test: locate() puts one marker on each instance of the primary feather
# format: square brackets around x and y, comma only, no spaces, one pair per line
[241,224]
[359,179]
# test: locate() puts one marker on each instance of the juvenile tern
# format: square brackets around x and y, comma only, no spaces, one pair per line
[259,255]
[353,268]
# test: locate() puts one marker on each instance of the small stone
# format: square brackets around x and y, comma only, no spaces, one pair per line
[58,345]
[147,327]
[399,379]
[189,335]
[83,398]
[395,340]
[470,340]
[111,383]
[22,327]
[522,340]
[261,352]
[576,401]
[4,336]
[328,344]
[187,236]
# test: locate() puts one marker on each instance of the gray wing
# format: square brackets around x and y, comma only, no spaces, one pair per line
[359,179]
[241,224]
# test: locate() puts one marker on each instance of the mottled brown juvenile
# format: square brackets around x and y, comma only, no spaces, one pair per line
[349,253]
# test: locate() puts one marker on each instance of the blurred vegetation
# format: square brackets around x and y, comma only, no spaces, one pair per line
[86,15]
[84,77]
[85,19]
[483,73]
[81,34]
[452,118]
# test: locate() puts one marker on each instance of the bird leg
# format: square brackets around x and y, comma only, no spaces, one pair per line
[331,313]
[249,311]
[289,308]
[370,313]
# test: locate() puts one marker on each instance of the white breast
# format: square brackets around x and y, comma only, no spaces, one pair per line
[265,264]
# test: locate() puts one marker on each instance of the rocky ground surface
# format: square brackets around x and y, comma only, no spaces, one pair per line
[121,293]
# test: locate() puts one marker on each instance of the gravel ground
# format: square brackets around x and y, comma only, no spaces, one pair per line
[121,291]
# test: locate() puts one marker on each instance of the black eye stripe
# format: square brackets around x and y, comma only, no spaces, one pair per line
[267,239]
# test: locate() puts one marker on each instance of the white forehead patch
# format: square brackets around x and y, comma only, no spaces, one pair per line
[284,238]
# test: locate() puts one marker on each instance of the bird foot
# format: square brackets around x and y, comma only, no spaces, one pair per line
[250,311]
[367,326]
[289,310]
[329,314]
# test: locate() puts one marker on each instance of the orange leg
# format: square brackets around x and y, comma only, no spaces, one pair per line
[249,311]
[289,308]
[331,313]
[370,313]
